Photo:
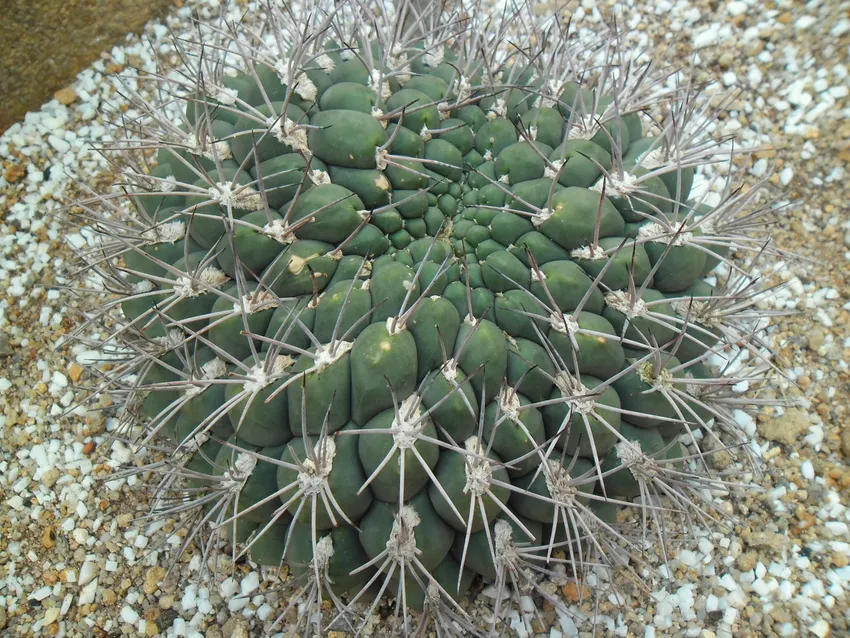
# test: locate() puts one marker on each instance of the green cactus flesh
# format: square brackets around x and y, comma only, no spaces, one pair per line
[433,326]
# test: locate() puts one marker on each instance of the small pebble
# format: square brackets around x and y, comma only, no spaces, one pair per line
[66,96]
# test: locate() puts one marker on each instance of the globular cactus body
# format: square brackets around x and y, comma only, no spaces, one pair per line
[407,313]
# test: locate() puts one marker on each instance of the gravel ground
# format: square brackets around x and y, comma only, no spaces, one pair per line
[73,563]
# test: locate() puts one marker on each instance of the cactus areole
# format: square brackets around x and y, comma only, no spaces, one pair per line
[405,311]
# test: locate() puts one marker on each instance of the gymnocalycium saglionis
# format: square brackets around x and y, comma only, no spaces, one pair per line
[408,297]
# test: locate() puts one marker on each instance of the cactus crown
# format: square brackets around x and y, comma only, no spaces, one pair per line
[401,305]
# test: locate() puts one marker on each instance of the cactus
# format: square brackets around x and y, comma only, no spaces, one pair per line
[405,310]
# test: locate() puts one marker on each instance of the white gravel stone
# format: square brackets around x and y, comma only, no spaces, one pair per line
[728,582]
[736,8]
[807,470]
[820,628]
[759,169]
[59,144]
[87,572]
[41,593]
[129,615]
[87,593]
[249,584]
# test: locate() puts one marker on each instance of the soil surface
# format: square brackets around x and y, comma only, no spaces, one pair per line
[47,42]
